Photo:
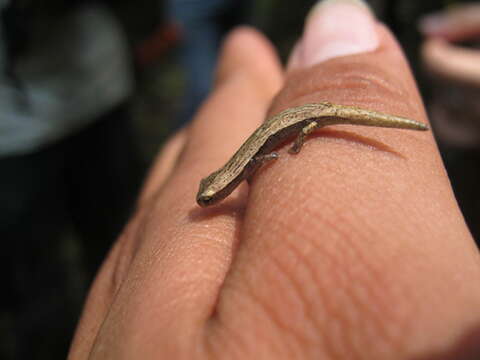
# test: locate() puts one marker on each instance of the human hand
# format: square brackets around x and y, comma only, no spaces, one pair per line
[442,31]
[352,249]
[454,106]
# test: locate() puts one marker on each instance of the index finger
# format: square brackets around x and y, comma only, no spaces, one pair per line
[455,24]
[350,245]
[439,51]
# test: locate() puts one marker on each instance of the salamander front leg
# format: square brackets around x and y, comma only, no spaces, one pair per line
[297,145]
[258,161]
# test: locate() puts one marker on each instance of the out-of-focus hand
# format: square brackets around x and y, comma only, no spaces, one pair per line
[442,31]
[352,249]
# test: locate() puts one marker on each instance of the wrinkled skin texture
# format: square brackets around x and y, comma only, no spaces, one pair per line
[353,249]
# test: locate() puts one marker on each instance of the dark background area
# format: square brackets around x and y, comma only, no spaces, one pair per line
[155,109]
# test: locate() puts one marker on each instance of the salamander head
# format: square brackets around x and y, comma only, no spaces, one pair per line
[208,192]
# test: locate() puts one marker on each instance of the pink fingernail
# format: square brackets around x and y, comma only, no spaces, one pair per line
[433,24]
[336,28]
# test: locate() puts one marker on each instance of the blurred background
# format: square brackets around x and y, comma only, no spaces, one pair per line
[89,91]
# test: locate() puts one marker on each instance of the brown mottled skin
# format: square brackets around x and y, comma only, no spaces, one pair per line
[299,120]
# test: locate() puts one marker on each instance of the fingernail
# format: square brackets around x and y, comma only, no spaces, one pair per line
[433,24]
[336,28]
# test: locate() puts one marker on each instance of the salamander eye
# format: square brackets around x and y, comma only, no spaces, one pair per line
[205,200]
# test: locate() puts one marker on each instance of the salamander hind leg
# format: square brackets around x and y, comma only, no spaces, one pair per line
[297,145]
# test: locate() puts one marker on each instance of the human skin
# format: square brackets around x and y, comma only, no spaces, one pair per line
[439,52]
[353,249]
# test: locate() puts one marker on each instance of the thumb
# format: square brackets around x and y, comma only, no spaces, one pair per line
[324,39]
[362,223]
